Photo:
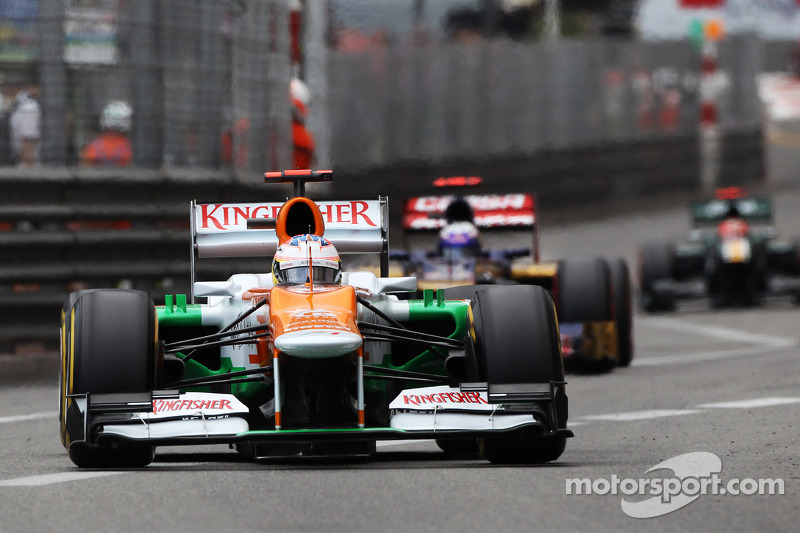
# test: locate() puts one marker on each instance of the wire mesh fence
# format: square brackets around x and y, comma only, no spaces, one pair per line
[206,84]
[493,98]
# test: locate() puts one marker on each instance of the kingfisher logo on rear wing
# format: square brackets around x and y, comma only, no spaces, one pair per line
[491,211]
[352,214]
[221,229]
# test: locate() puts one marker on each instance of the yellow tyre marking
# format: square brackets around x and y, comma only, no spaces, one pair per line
[71,370]
[471,324]
[558,328]
[64,356]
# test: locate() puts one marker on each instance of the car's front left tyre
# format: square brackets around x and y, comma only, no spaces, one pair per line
[517,341]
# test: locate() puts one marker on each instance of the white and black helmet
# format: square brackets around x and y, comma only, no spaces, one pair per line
[294,257]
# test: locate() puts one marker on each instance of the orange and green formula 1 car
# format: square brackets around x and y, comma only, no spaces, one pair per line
[308,360]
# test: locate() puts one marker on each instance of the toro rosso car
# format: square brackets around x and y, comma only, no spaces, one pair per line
[592,294]
[309,360]
[733,257]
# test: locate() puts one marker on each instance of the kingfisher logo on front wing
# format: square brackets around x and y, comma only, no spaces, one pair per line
[443,398]
[192,404]
[440,397]
[163,406]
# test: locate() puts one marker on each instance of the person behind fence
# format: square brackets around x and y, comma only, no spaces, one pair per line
[112,147]
[6,155]
[25,127]
[302,140]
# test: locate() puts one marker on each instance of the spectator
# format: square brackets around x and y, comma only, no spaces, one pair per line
[302,140]
[6,154]
[112,147]
[235,144]
[186,154]
[25,124]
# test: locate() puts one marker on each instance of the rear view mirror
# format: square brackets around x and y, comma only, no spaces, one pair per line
[404,284]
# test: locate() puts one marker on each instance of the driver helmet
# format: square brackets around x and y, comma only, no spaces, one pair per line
[291,262]
[116,116]
[459,210]
[733,210]
[459,239]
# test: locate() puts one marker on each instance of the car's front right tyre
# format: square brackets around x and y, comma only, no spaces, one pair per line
[108,345]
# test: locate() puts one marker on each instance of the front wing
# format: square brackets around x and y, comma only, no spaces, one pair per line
[439,412]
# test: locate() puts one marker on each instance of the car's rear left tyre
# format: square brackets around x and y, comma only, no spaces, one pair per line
[109,345]
[623,315]
[516,341]
[458,446]
[583,290]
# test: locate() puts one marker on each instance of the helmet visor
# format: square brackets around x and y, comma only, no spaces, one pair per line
[299,275]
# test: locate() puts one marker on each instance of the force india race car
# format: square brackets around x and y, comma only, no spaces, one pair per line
[733,257]
[592,294]
[312,368]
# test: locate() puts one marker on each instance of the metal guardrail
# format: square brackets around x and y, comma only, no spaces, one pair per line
[64,229]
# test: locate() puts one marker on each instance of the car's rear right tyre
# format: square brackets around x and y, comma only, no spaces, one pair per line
[656,261]
[583,290]
[109,345]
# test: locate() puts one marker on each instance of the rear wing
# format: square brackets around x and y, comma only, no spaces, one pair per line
[221,229]
[492,211]
[752,209]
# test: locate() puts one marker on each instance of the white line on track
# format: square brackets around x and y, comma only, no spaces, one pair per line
[747,404]
[642,415]
[661,413]
[703,356]
[763,343]
[25,418]
[719,332]
[49,479]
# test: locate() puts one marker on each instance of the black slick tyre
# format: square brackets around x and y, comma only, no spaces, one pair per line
[517,341]
[623,315]
[656,260]
[108,345]
[583,290]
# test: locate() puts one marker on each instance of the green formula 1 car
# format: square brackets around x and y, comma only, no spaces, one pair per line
[733,257]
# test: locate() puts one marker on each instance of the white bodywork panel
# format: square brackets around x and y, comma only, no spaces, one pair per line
[192,414]
[443,408]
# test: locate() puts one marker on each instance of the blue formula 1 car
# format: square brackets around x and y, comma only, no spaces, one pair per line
[592,295]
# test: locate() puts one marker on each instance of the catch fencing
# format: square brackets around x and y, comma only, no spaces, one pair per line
[208,84]
[573,122]
[497,98]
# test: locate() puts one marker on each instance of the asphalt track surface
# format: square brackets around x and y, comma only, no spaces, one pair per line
[726,382]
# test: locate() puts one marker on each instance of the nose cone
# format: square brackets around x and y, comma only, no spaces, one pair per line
[318,343]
